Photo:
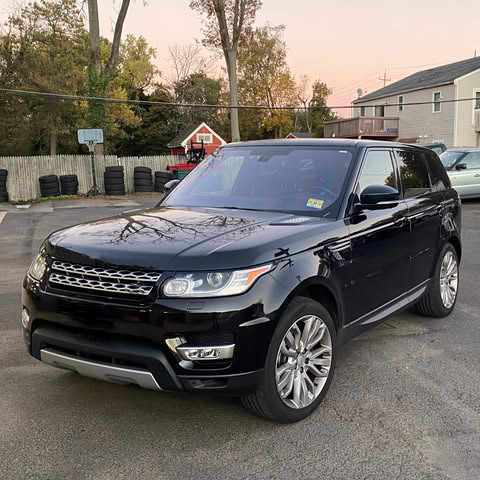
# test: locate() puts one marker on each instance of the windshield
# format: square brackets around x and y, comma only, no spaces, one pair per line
[304,180]
[449,158]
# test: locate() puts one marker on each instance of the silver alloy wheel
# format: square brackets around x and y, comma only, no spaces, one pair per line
[303,361]
[448,279]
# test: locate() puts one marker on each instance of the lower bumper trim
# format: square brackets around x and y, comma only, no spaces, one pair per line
[100,370]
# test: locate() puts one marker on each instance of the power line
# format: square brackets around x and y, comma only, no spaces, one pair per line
[60,96]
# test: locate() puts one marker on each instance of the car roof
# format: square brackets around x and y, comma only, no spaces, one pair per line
[319,142]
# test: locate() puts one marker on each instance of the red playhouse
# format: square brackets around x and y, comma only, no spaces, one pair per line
[197,134]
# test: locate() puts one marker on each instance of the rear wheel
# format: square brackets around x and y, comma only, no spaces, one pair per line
[440,299]
[299,366]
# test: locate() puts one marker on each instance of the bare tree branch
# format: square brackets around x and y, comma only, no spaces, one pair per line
[117,36]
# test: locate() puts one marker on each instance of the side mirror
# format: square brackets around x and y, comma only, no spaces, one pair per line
[378,197]
[461,166]
[169,186]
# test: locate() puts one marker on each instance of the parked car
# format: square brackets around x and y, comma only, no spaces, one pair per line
[438,148]
[251,273]
[463,168]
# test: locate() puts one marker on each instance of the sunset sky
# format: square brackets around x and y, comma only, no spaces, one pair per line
[346,43]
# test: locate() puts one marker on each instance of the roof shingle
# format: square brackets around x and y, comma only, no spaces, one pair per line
[182,135]
[425,79]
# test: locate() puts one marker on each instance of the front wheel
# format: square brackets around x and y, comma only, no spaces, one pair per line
[440,299]
[299,366]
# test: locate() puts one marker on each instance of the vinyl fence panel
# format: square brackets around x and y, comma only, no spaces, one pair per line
[23,172]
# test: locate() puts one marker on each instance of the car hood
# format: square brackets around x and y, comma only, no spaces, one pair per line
[187,239]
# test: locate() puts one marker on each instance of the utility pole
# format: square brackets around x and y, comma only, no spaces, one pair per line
[385,79]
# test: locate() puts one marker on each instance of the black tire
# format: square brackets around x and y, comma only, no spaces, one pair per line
[55,193]
[116,169]
[72,190]
[113,174]
[142,188]
[142,169]
[3,197]
[3,187]
[68,186]
[143,183]
[266,401]
[115,192]
[113,181]
[431,304]
[159,188]
[3,173]
[48,179]
[68,178]
[142,176]
[163,175]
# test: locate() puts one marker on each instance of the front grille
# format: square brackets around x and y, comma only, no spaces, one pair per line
[102,280]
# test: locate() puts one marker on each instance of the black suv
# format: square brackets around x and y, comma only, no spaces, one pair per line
[249,275]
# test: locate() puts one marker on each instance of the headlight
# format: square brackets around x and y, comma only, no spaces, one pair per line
[212,284]
[38,266]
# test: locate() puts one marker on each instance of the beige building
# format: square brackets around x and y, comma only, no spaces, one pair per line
[436,117]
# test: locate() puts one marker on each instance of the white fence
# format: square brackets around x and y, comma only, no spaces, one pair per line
[23,172]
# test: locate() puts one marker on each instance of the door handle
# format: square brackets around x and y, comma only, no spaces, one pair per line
[477,175]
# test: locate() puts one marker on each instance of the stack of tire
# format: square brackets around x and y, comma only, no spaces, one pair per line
[49,186]
[142,179]
[161,178]
[3,185]
[114,181]
[69,184]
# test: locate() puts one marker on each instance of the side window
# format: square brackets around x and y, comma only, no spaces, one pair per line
[438,175]
[413,173]
[377,169]
[472,160]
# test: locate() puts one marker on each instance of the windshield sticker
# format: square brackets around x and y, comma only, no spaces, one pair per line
[314,203]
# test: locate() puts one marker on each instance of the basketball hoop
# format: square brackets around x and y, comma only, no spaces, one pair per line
[91,145]
[90,137]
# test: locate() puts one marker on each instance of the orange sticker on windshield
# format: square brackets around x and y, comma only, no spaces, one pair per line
[314,203]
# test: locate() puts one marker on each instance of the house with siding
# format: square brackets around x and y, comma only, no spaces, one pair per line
[384,114]
[195,134]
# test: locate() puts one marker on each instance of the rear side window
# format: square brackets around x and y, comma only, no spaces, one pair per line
[438,175]
[472,160]
[377,170]
[413,173]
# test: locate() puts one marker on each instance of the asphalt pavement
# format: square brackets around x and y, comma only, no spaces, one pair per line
[404,403]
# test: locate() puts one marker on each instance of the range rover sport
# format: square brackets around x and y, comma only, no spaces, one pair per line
[251,272]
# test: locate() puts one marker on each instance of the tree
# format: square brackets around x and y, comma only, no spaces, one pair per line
[185,60]
[320,113]
[100,73]
[265,77]
[43,49]
[304,96]
[156,128]
[227,21]
[199,89]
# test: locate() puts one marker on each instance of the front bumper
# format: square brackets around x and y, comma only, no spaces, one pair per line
[124,343]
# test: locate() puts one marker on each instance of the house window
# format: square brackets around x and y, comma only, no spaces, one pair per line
[400,103]
[477,99]
[363,111]
[436,106]
[380,111]
[206,137]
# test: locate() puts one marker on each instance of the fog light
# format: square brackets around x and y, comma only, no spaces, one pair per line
[220,352]
[25,318]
